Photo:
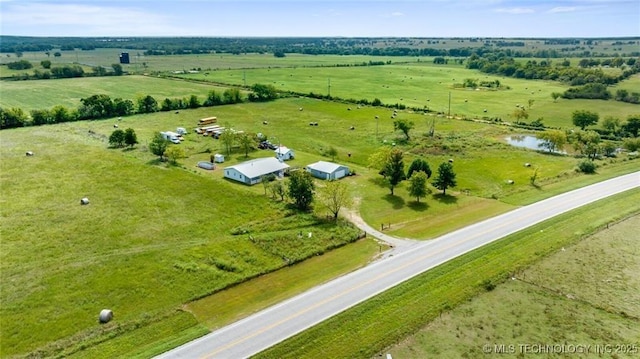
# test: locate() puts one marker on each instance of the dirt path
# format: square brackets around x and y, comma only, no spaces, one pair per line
[396,245]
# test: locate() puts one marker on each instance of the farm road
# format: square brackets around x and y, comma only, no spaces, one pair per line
[270,326]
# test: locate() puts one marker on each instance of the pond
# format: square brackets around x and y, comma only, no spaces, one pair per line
[526,141]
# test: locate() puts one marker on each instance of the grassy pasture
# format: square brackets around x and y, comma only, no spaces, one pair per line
[44,94]
[151,239]
[425,85]
[206,62]
[369,328]
[584,295]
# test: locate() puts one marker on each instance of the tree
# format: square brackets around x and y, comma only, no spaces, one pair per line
[403,125]
[378,159]
[301,189]
[583,118]
[446,177]
[263,93]
[158,145]
[96,106]
[631,144]
[122,107]
[130,137]
[520,114]
[265,180]
[555,96]
[552,140]
[174,153]
[278,190]
[147,104]
[246,143]
[335,195]
[193,102]
[117,138]
[612,125]
[418,185]
[332,152]
[530,103]
[228,138]
[419,165]
[587,143]
[633,125]
[117,69]
[232,96]
[213,99]
[394,169]
[41,117]
[45,64]
[13,117]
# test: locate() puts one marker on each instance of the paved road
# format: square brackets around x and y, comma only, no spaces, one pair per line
[273,325]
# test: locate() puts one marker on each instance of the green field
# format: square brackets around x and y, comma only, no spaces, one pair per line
[586,294]
[370,328]
[158,240]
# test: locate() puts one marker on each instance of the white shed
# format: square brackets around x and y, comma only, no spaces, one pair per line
[283,153]
[218,158]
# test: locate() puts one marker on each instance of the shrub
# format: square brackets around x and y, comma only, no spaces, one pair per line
[587,166]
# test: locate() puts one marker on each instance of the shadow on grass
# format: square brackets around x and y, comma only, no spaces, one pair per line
[157,162]
[378,181]
[128,149]
[418,206]
[445,198]
[396,201]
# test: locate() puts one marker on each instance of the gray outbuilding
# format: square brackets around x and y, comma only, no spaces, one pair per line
[328,170]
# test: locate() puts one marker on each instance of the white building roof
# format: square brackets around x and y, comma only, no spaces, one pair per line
[323,166]
[282,150]
[259,167]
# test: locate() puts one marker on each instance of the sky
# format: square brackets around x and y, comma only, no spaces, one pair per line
[322,18]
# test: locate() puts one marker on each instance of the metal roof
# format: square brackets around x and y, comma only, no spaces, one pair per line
[326,167]
[259,167]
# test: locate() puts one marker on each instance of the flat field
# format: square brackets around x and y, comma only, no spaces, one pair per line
[585,294]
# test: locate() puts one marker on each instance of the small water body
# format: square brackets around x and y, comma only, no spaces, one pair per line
[526,141]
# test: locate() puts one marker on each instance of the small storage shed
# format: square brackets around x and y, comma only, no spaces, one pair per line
[251,172]
[327,170]
[283,153]
[218,158]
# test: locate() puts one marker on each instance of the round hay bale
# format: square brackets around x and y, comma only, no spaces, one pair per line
[84,201]
[105,316]
[29,153]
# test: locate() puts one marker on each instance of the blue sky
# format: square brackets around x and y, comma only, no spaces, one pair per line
[347,18]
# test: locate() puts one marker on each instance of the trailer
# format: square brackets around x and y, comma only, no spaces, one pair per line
[171,136]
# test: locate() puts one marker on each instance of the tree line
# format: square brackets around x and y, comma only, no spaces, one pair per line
[103,106]
[312,46]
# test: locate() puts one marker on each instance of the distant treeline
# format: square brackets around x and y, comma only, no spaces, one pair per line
[455,47]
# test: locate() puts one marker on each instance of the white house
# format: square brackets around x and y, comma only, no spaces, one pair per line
[251,172]
[283,153]
[327,170]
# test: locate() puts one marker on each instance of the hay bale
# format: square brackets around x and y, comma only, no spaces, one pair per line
[450,160]
[84,201]
[510,182]
[115,125]
[105,316]
[527,164]
[29,153]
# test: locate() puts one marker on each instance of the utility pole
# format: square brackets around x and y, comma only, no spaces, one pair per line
[244,78]
[329,86]
[449,115]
